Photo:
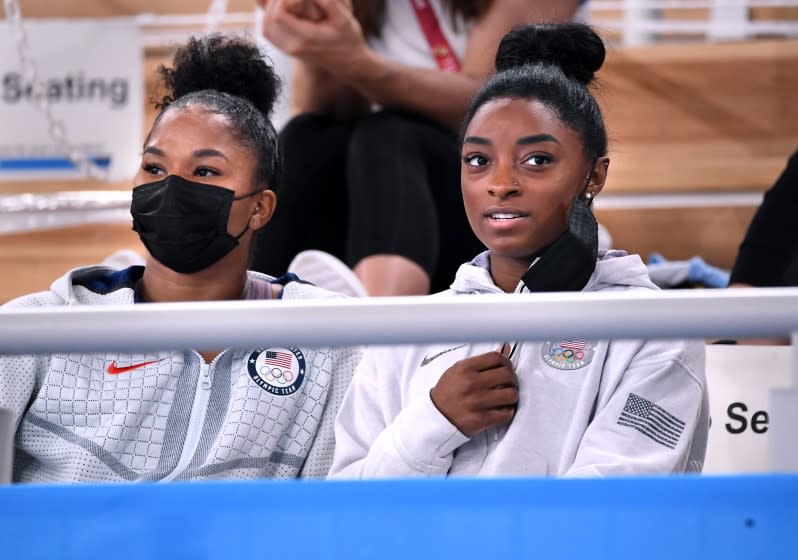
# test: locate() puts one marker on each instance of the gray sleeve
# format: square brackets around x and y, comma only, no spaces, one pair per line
[320,456]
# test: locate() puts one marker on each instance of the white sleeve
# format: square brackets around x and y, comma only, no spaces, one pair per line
[654,421]
[379,435]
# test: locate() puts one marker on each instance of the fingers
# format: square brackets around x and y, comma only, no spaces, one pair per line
[506,397]
[502,376]
[333,9]
[489,360]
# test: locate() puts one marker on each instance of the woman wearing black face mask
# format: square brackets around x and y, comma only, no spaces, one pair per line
[534,156]
[205,186]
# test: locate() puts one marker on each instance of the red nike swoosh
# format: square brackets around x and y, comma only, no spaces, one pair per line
[114,370]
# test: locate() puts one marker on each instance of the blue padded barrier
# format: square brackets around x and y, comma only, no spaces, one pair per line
[625,518]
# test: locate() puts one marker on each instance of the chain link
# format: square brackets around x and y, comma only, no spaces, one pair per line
[216,12]
[30,72]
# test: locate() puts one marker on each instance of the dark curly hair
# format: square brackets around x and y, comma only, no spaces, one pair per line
[554,64]
[229,77]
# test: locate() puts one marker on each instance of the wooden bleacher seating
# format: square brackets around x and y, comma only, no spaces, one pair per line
[682,118]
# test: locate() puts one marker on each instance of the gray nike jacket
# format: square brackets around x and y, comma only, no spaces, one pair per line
[264,412]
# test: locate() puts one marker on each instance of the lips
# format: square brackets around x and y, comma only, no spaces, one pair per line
[504,214]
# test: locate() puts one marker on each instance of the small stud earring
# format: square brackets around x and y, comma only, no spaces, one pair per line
[588,195]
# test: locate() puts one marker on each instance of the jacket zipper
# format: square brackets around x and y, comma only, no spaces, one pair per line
[199,409]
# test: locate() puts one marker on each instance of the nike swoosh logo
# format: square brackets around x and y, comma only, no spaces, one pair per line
[114,370]
[428,359]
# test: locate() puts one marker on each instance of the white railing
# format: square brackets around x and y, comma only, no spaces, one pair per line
[771,312]
[638,21]
[648,21]
[605,315]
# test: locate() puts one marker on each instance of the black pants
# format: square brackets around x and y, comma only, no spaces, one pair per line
[388,183]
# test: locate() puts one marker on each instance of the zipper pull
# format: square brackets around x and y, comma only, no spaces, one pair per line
[205,376]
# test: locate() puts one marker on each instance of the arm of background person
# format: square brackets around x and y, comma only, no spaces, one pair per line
[770,246]
[314,90]
[336,45]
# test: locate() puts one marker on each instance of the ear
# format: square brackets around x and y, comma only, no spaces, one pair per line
[265,203]
[598,176]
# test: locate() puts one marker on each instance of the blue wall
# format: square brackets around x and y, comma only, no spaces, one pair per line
[646,518]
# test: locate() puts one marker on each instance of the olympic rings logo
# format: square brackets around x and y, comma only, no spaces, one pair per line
[276,375]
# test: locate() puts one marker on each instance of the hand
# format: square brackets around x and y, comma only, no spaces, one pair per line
[333,42]
[478,393]
[303,9]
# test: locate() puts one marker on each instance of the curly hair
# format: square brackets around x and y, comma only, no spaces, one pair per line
[229,77]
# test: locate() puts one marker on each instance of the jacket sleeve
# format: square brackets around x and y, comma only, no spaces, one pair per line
[379,435]
[19,374]
[656,418]
[320,455]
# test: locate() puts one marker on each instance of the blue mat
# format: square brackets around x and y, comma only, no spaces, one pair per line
[647,518]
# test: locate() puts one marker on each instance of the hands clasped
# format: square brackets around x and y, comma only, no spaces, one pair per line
[322,32]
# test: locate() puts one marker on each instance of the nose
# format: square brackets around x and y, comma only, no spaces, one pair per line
[504,184]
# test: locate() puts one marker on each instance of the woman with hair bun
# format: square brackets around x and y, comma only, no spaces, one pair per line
[534,157]
[205,186]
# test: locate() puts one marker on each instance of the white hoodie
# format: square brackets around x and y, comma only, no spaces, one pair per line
[585,408]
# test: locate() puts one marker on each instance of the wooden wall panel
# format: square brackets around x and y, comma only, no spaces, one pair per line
[714,234]
[700,117]
[32,261]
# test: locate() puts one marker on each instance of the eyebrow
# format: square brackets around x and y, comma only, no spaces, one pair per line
[154,151]
[535,138]
[201,153]
[208,152]
[524,140]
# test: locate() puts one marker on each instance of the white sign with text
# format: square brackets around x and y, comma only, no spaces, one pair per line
[91,72]
[740,379]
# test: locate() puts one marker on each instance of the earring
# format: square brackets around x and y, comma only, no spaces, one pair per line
[588,195]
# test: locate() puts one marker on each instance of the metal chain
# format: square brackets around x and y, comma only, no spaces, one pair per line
[216,12]
[30,71]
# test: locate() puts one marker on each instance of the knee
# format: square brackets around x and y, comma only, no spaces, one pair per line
[378,135]
[304,128]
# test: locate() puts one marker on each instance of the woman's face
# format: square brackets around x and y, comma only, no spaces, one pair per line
[521,170]
[199,145]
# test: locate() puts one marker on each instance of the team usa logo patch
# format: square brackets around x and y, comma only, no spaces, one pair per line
[568,354]
[279,371]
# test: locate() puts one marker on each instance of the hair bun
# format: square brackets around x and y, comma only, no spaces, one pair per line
[226,64]
[574,47]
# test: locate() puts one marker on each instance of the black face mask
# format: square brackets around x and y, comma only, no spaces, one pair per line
[567,264]
[183,224]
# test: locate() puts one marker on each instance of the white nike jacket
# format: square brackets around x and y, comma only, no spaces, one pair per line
[586,407]
[265,412]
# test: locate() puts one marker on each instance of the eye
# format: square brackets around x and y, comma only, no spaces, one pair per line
[205,172]
[152,169]
[476,160]
[538,160]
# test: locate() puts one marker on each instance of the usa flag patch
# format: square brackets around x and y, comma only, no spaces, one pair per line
[652,421]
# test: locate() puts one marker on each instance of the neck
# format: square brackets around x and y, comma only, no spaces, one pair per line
[222,281]
[507,271]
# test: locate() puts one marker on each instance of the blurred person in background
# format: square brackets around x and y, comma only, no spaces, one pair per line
[371,174]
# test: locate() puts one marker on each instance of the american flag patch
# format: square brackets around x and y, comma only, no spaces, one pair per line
[280,359]
[652,421]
